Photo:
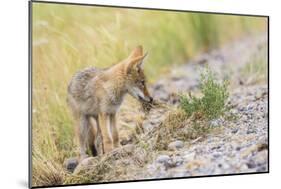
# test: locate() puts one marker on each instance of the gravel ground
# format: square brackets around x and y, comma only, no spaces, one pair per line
[242,144]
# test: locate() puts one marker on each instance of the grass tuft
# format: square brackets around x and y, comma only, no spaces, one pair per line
[213,102]
[46,172]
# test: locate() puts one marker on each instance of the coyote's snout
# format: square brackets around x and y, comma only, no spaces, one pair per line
[95,96]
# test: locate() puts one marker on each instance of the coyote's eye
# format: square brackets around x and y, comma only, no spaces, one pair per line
[141,83]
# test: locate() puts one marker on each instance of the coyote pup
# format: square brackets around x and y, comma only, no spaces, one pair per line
[95,96]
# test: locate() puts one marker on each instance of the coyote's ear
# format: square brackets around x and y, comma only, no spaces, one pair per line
[136,63]
[137,52]
[141,62]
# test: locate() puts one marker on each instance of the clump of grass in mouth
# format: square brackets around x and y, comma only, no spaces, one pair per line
[147,106]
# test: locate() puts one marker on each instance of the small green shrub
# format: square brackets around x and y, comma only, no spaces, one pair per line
[213,102]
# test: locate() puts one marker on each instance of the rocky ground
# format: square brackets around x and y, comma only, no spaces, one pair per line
[240,144]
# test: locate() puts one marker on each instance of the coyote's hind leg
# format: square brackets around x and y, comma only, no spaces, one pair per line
[93,135]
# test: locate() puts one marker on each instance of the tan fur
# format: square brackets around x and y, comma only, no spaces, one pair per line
[95,95]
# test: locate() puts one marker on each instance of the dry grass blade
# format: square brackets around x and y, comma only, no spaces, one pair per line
[47,173]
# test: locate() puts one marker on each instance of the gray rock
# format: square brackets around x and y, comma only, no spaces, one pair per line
[175,145]
[261,169]
[158,86]
[162,159]
[235,130]
[251,164]
[173,162]
[189,156]
[178,160]
[250,131]
[87,161]
[85,164]
[216,154]
[216,122]
[70,164]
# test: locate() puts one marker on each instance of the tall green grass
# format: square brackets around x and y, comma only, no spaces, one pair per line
[256,71]
[68,38]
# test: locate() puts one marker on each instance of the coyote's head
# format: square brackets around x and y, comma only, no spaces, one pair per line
[136,83]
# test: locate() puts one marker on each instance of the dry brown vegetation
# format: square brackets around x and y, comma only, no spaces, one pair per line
[126,162]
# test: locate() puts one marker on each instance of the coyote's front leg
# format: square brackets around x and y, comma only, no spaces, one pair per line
[104,124]
[114,130]
[83,131]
